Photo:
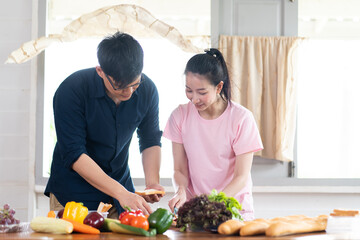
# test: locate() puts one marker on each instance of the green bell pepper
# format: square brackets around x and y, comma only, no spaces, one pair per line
[161,220]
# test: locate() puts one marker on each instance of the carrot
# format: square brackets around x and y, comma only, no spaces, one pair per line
[83,228]
[51,214]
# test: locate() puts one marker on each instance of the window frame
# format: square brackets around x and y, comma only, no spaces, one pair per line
[39,179]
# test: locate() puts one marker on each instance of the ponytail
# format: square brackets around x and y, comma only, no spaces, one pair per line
[226,90]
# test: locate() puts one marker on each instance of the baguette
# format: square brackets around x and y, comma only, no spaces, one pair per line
[344,212]
[255,227]
[230,227]
[291,217]
[306,225]
[149,192]
[259,226]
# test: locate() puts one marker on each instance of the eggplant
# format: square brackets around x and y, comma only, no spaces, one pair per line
[60,213]
[94,219]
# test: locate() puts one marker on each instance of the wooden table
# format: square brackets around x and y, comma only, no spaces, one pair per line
[170,234]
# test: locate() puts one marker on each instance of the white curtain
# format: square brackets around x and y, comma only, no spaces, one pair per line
[263,76]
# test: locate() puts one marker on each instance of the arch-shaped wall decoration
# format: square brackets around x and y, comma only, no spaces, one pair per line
[127,18]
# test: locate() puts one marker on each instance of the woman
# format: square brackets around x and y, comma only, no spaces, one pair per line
[213,138]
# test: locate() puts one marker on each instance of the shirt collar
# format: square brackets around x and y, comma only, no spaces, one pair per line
[98,89]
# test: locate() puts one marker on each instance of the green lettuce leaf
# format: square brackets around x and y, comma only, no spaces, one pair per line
[230,202]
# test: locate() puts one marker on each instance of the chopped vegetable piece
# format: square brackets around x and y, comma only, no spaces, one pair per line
[51,214]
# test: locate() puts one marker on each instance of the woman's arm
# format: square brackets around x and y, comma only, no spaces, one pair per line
[181,175]
[242,170]
[94,175]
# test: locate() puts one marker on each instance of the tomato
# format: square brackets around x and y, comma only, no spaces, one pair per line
[126,219]
[140,221]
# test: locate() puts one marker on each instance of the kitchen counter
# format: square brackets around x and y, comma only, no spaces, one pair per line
[170,234]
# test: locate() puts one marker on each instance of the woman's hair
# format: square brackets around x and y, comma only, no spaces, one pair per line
[121,57]
[211,64]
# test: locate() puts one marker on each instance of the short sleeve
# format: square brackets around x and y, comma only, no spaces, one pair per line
[247,136]
[172,129]
[70,123]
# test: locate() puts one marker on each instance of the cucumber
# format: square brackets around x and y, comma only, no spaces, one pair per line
[116,226]
[107,221]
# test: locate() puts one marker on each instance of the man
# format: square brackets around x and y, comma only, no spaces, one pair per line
[96,112]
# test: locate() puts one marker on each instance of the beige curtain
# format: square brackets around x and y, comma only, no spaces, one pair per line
[263,77]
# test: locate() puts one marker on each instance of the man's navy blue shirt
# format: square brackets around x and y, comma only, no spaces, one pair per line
[87,121]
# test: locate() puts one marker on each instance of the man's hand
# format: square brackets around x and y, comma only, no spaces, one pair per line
[135,202]
[153,197]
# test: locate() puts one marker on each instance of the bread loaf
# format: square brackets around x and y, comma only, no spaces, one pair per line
[305,225]
[149,192]
[286,218]
[284,225]
[255,227]
[344,212]
[230,227]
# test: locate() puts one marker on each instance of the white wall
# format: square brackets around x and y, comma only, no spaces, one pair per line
[16,163]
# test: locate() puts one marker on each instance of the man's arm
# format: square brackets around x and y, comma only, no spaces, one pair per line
[150,141]
[94,175]
[151,159]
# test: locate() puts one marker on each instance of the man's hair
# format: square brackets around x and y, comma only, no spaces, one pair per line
[121,57]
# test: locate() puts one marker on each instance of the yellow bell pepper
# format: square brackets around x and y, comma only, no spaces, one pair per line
[75,211]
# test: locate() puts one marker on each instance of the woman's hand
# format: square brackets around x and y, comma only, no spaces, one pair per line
[178,199]
[135,202]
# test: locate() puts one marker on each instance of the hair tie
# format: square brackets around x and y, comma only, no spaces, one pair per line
[209,52]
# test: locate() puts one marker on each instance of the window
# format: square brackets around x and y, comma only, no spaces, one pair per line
[326,142]
[164,63]
[328,90]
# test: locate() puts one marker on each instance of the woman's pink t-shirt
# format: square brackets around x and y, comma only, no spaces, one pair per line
[211,147]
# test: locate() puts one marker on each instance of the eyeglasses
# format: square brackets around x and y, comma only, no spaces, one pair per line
[136,85]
